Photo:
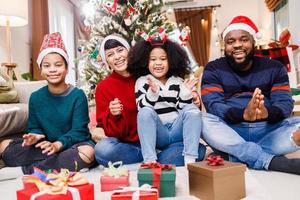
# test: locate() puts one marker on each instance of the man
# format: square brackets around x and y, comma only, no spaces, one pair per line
[249,102]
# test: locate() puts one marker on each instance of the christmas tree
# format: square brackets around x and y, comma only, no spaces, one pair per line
[134,20]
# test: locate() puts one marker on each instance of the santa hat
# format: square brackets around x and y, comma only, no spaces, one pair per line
[242,23]
[52,43]
[112,37]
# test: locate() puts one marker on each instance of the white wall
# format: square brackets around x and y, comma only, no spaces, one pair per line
[21,44]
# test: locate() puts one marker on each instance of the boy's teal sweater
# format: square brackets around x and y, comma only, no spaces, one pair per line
[61,118]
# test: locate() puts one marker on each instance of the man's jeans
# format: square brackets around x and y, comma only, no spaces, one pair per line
[252,143]
[112,149]
[154,134]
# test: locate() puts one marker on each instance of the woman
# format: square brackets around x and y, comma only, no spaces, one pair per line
[115,107]
[58,135]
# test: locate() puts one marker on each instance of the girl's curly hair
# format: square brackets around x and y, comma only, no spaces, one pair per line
[139,54]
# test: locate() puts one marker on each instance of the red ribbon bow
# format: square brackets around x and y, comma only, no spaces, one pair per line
[215,160]
[156,171]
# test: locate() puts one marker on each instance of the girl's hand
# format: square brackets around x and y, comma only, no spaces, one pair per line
[196,99]
[115,107]
[190,84]
[49,148]
[152,85]
[31,138]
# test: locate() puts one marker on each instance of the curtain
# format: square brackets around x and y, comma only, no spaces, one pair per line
[40,27]
[200,24]
[272,4]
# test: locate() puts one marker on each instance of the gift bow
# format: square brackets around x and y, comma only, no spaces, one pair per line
[156,170]
[136,190]
[215,160]
[55,183]
[111,170]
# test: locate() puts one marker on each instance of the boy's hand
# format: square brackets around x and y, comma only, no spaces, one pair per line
[49,148]
[31,138]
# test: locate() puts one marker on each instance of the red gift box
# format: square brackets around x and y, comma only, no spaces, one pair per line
[128,193]
[86,192]
[109,183]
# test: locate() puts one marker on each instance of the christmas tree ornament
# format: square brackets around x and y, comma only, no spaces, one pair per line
[110,6]
[185,35]
[156,2]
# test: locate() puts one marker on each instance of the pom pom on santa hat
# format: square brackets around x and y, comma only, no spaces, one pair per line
[242,23]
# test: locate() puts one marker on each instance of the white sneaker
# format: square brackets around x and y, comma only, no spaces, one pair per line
[9,173]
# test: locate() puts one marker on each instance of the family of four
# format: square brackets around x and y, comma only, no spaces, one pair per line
[150,111]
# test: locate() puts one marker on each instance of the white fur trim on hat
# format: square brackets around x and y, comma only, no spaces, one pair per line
[238,26]
[112,37]
[46,51]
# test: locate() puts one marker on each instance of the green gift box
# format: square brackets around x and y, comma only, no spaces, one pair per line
[167,180]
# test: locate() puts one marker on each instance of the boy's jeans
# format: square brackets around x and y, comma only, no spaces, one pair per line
[252,143]
[154,134]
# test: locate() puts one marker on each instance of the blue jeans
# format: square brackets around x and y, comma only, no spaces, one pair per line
[252,143]
[154,134]
[112,149]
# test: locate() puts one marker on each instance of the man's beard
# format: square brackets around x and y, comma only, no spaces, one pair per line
[243,65]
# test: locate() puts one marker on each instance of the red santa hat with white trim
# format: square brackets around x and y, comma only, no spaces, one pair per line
[52,43]
[242,23]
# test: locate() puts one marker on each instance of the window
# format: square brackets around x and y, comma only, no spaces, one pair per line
[281,17]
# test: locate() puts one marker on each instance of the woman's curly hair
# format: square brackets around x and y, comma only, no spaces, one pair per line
[139,54]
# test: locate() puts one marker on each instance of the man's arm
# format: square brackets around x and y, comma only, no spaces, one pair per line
[280,97]
[212,94]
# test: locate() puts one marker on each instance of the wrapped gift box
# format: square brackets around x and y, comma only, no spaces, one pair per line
[109,183]
[86,192]
[167,181]
[223,182]
[129,196]
[144,192]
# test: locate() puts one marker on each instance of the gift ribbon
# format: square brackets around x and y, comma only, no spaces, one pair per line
[136,190]
[55,183]
[74,192]
[215,160]
[114,171]
[156,171]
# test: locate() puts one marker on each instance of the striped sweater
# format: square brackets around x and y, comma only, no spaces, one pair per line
[226,93]
[170,97]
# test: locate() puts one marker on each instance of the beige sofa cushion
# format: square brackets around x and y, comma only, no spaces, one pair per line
[13,119]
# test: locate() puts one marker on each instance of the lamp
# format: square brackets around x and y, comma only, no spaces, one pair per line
[12,13]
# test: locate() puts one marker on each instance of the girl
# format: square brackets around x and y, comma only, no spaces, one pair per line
[166,112]
[58,135]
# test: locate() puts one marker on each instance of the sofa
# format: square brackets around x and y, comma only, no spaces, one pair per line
[13,116]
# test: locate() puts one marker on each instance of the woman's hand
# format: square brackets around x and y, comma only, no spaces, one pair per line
[152,85]
[115,107]
[49,148]
[31,138]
